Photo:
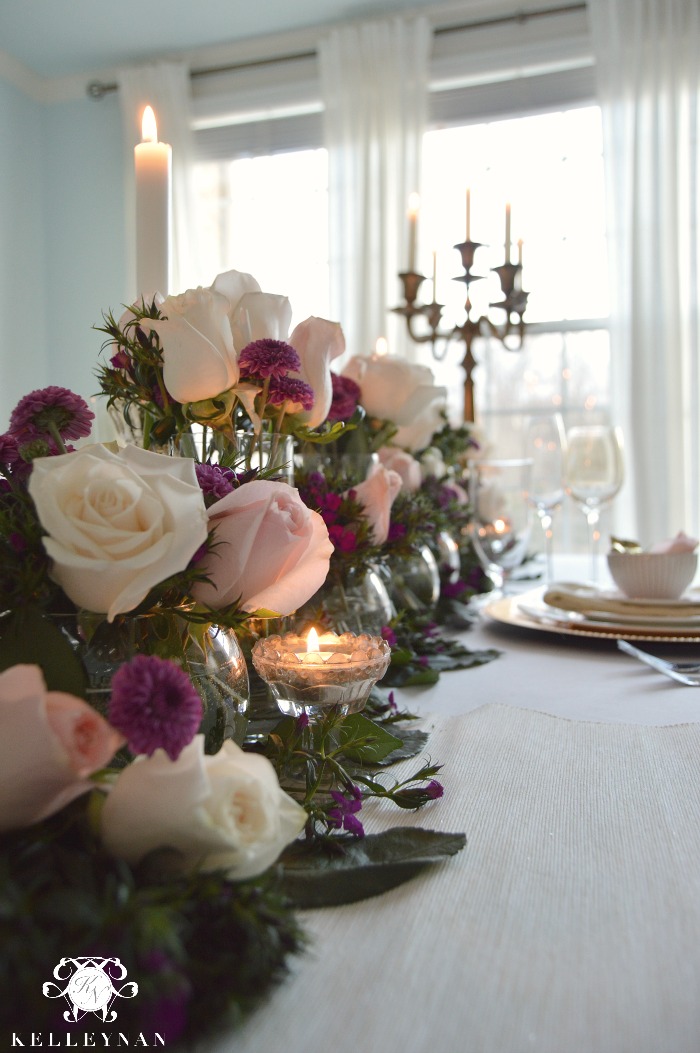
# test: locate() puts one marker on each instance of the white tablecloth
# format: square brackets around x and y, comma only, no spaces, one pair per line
[571,921]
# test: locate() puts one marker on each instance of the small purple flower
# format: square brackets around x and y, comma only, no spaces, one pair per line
[452,590]
[389,635]
[343,816]
[393,708]
[268,358]
[397,531]
[154,704]
[342,538]
[346,396]
[289,389]
[302,722]
[434,789]
[51,410]
[214,480]
[121,360]
[18,543]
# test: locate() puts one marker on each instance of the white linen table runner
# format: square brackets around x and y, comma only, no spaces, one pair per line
[570,923]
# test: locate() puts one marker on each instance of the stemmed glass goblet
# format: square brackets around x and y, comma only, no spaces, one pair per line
[545,443]
[501,515]
[593,475]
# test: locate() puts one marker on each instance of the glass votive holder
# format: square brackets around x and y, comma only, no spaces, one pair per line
[314,673]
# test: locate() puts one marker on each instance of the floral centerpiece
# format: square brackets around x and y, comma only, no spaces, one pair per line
[129,837]
[218,359]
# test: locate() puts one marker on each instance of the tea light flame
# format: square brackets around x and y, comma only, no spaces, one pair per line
[312,641]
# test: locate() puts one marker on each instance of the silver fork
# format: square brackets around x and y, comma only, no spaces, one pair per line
[684,672]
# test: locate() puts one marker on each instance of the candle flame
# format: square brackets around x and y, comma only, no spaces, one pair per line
[413,204]
[500,526]
[312,640]
[149,129]
[381,347]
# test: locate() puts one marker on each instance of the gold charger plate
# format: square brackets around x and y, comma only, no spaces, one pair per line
[508,611]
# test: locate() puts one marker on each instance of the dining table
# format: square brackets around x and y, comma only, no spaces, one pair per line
[570,921]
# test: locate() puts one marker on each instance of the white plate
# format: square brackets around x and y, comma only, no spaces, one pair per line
[542,618]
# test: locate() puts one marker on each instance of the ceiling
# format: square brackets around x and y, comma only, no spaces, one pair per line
[55,38]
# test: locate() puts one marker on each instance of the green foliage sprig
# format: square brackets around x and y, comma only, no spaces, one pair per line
[62,893]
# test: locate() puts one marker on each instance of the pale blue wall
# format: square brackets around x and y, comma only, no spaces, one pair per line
[85,240]
[62,241]
[23,344]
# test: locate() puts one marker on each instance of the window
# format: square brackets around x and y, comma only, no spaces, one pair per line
[268,215]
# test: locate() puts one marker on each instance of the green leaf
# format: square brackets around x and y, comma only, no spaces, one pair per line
[28,638]
[363,740]
[412,742]
[362,867]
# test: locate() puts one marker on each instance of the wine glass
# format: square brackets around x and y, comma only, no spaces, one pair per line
[593,475]
[501,515]
[545,443]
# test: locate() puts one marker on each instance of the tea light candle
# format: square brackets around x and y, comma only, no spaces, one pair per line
[310,675]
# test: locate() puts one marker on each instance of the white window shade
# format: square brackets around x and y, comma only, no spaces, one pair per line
[511,67]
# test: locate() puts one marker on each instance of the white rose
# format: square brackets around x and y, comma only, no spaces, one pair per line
[402,392]
[199,358]
[404,465]
[225,811]
[433,463]
[117,523]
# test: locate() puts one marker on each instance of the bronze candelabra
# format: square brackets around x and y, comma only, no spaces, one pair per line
[513,304]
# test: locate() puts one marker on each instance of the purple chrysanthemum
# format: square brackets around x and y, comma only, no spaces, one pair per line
[9,451]
[154,704]
[289,389]
[346,396]
[214,480]
[52,411]
[268,358]
[344,816]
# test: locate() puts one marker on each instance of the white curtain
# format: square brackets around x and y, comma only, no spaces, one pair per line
[649,78]
[166,87]
[374,80]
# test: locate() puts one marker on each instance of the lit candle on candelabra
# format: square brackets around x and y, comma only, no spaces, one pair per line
[520,251]
[152,167]
[413,206]
[469,214]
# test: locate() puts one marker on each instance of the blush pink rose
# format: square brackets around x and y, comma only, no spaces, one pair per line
[271,552]
[50,743]
[377,494]
[407,467]
[317,342]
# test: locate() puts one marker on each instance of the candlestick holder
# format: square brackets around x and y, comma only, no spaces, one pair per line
[310,675]
[513,306]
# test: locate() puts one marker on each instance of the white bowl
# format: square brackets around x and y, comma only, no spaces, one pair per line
[652,575]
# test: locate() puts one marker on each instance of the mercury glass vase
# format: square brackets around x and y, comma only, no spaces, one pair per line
[413,581]
[210,655]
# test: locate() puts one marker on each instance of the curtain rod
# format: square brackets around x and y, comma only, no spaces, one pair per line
[97,89]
